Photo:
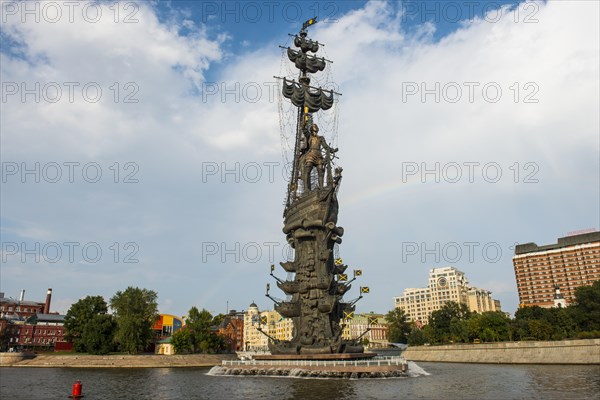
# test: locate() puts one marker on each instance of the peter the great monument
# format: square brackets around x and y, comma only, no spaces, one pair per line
[317,278]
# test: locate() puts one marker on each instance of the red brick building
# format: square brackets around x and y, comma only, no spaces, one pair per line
[10,308]
[41,330]
[572,262]
[29,324]
[232,328]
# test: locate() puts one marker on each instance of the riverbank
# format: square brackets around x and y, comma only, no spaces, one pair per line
[552,352]
[114,361]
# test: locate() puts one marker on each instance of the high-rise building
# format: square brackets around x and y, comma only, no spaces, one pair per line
[445,284]
[480,300]
[571,262]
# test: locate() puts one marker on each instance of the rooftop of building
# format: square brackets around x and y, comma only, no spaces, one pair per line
[46,318]
[8,300]
[573,240]
[441,270]
[476,289]
[229,320]
[12,318]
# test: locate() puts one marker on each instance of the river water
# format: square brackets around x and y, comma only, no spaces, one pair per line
[428,381]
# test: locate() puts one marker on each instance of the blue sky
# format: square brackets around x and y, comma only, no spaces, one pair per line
[158,156]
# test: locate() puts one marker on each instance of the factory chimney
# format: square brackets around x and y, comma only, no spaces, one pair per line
[22,295]
[48,298]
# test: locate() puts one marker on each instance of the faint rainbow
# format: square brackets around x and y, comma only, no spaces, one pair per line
[382,190]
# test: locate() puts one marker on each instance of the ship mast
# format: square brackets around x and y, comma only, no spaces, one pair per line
[307,99]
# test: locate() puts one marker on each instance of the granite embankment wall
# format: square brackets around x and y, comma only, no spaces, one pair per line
[115,361]
[556,352]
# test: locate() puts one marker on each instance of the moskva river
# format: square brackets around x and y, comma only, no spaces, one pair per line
[427,381]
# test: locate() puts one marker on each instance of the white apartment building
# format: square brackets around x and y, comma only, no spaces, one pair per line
[271,322]
[445,284]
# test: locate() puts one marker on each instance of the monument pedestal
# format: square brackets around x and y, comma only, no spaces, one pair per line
[354,366]
[324,357]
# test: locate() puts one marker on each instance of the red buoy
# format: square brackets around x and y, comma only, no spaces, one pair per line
[76,391]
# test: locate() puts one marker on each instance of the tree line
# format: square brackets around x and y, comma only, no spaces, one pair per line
[454,323]
[129,328]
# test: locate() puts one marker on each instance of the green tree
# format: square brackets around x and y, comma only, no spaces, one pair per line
[545,323]
[135,311]
[531,323]
[419,336]
[491,326]
[562,323]
[520,329]
[199,324]
[216,343]
[4,338]
[586,310]
[459,331]
[527,313]
[182,341]
[217,319]
[539,329]
[446,322]
[79,316]
[98,334]
[398,326]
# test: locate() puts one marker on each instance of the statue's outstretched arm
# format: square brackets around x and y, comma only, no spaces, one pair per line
[327,147]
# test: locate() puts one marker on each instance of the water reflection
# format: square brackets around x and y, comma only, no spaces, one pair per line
[554,378]
[322,389]
[446,381]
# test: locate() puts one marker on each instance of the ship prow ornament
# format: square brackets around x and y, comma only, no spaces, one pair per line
[315,294]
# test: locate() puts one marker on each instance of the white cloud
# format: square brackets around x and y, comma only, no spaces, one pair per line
[171,131]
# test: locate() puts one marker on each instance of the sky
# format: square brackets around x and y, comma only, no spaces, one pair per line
[145,143]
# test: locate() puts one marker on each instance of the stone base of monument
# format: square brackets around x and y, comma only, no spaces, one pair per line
[331,357]
[318,367]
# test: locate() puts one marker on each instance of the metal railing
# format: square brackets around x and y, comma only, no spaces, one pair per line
[376,361]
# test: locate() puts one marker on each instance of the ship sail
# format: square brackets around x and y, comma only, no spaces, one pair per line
[304,96]
[305,62]
[306,44]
